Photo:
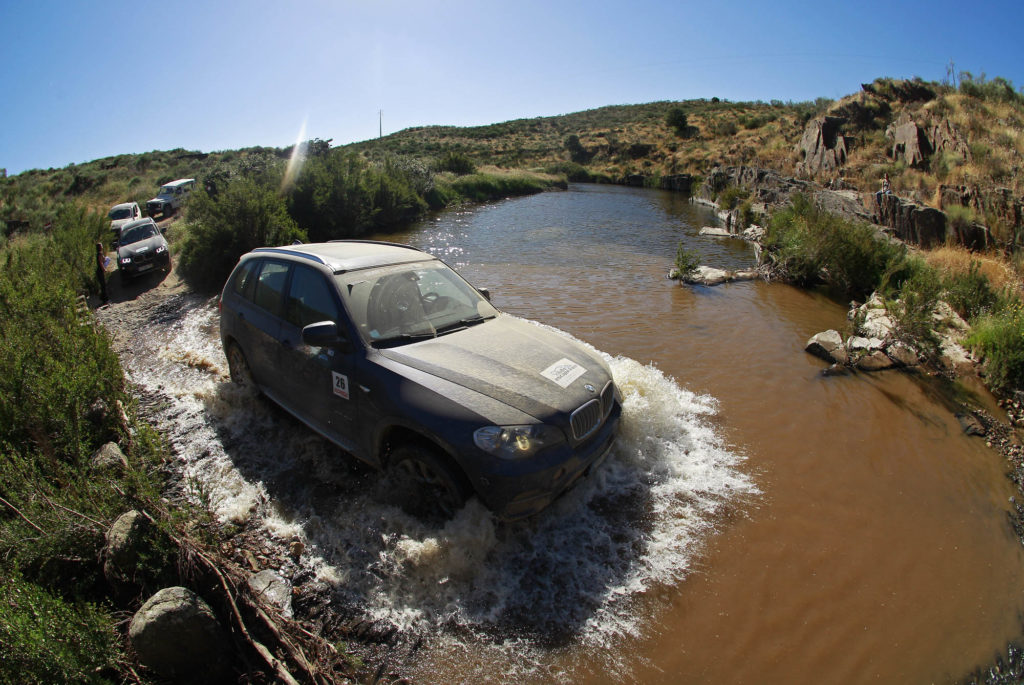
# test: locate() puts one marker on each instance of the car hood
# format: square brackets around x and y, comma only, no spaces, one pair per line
[523,365]
[147,245]
[116,224]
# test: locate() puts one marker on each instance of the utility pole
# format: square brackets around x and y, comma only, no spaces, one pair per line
[380,122]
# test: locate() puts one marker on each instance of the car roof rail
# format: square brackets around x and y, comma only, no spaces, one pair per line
[294,253]
[375,242]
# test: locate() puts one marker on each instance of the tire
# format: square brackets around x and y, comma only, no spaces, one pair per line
[425,484]
[238,367]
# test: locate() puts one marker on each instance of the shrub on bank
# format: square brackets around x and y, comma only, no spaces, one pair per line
[61,394]
[810,246]
[999,339]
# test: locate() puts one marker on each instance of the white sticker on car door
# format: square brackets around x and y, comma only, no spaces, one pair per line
[340,385]
[563,372]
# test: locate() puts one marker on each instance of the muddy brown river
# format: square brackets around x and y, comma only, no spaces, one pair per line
[757,523]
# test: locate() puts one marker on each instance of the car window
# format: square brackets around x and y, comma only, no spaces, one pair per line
[137,233]
[309,298]
[243,277]
[270,286]
[411,301]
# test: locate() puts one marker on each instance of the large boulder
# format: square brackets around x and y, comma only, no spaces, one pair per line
[828,346]
[125,542]
[176,634]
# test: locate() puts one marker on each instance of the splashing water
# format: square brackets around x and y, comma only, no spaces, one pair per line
[571,575]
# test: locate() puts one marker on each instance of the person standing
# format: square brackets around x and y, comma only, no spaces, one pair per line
[101,272]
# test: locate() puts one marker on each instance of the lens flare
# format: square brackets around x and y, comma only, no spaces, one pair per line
[297,159]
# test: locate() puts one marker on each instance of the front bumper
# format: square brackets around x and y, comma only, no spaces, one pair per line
[518,495]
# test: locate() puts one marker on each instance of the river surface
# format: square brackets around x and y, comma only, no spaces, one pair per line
[756,523]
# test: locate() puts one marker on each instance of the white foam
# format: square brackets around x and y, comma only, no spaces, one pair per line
[582,570]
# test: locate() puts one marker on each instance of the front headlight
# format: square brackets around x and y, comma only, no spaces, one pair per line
[517,442]
[126,260]
[161,248]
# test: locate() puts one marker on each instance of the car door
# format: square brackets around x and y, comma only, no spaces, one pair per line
[319,380]
[258,322]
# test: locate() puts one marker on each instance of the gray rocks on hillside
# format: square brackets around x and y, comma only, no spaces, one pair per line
[823,147]
[176,634]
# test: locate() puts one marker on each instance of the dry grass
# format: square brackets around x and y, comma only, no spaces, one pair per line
[957,260]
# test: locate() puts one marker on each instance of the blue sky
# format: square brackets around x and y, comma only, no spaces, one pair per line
[83,80]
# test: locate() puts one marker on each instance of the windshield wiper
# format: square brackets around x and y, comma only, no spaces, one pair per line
[401,339]
[461,324]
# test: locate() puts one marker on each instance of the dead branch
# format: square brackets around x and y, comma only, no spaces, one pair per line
[23,517]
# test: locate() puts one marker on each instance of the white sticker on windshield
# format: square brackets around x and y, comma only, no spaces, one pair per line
[563,372]
[340,385]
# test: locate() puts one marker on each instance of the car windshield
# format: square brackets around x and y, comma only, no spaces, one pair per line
[406,302]
[120,213]
[137,233]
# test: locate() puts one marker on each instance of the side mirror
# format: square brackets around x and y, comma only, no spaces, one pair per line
[324,334]
[486,292]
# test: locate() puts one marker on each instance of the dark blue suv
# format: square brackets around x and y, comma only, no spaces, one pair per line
[387,352]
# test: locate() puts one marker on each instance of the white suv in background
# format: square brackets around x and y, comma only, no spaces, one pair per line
[170,197]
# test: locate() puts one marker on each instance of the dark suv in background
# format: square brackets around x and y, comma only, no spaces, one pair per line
[387,352]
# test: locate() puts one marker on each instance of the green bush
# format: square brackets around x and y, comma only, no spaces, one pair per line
[677,121]
[242,216]
[809,246]
[687,261]
[912,311]
[456,162]
[49,640]
[999,339]
[970,294]
[731,197]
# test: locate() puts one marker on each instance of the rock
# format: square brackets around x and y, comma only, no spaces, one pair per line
[822,147]
[876,360]
[124,543]
[295,549]
[912,223]
[954,357]
[176,634]
[824,345]
[857,345]
[902,354]
[273,589]
[109,456]
[717,232]
[970,424]
[754,233]
[908,141]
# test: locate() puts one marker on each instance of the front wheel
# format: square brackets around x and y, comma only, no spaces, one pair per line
[426,484]
[238,367]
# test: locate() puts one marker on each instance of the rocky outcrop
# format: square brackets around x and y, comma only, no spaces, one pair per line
[822,146]
[998,204]
[915,142]
[911,222]
[682,183]
[908,142]
[176,634]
